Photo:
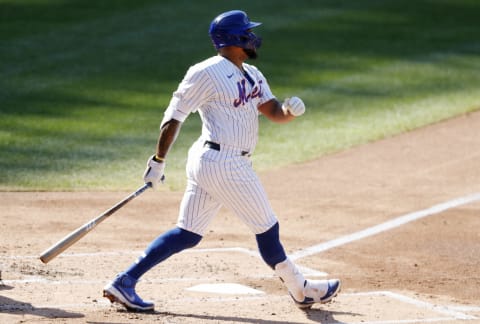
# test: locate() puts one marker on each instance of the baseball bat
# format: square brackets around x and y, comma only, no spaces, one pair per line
[80,232]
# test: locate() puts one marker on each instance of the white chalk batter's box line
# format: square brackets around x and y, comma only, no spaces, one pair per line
[450,313]
[391,224]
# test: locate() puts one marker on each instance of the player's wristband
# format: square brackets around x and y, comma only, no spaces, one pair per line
[159,159]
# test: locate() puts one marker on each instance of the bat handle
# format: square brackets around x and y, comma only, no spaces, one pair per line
[143,188]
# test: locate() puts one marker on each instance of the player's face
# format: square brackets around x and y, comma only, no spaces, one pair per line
[252,42]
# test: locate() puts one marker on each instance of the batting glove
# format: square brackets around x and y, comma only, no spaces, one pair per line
[294,106]
[154,173]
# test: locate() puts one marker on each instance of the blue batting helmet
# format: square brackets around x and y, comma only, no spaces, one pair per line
[233,28]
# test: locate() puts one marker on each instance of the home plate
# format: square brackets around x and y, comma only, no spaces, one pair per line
[226,288]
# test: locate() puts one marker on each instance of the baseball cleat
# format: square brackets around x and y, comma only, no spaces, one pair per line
[122,291]
[313,287]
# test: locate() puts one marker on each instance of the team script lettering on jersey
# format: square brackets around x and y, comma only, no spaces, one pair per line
[242,93]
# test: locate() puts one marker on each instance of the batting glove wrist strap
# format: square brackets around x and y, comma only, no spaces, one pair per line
[157,158]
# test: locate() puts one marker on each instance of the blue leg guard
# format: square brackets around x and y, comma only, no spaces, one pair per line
[270,247]
[161,248]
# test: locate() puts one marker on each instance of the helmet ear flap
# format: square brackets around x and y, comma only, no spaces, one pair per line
[222,40]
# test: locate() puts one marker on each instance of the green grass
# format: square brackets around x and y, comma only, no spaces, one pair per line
[84,83]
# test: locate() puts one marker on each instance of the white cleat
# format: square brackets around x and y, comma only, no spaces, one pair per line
[312,288]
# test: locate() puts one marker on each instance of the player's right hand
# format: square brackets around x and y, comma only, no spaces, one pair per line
[154,173]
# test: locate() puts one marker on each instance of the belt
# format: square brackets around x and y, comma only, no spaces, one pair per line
[216,147]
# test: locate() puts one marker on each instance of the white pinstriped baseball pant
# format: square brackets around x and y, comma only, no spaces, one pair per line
[222,178]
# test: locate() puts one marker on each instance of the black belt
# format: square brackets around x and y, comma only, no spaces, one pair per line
[216,147]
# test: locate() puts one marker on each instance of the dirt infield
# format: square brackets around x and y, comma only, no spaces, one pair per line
[397,220]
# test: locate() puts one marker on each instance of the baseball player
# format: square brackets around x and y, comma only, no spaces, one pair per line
[229,95]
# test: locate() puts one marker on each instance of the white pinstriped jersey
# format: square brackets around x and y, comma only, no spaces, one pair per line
[226,100]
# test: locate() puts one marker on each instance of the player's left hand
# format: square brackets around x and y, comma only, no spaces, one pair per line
[154,173]
[294,106]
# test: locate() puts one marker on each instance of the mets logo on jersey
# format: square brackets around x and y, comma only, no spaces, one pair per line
[243,97]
